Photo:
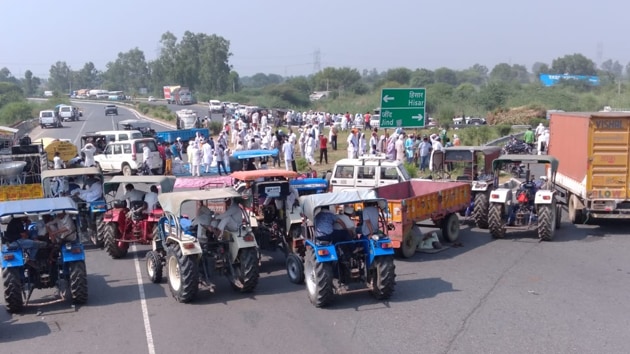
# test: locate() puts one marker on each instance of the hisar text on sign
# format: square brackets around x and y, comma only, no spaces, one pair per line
[416,99]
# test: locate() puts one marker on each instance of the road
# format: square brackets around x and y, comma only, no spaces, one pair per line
[515,295]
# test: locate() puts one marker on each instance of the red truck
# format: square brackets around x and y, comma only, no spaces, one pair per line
[414,201]
[168,93]
[594,176]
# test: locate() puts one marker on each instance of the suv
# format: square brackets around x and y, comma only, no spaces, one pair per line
[111,109]
[366,172]
[126,156]
[67,113]
[48,118]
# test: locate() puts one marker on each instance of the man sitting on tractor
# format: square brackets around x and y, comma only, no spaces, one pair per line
[132,194]
[16,235]
[344,222]
[291,200]
[229,220]
[370,220]
[151,198]
[64,228]
[93,192]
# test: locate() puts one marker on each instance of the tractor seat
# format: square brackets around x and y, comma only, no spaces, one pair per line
[137,208]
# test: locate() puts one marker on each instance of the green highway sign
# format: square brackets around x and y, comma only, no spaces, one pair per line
[403,107]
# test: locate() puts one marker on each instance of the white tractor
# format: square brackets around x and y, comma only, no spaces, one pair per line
[532,203]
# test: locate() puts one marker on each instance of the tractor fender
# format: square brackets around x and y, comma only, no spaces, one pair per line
[12,257]
[240,242]
[188,244]
[544,197]
[501,196]
[323,253]
[480,186]
[71,252]
[294,219]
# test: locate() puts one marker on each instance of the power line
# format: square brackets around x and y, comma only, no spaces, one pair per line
[317,61]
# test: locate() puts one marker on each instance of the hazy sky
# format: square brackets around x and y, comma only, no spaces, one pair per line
[282,36]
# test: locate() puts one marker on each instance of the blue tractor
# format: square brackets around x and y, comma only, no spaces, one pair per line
[58,265]
[60,183]
[347,260]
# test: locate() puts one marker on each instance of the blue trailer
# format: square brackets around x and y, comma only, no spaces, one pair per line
[184,134]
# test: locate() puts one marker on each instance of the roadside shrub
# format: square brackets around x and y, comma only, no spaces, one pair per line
[14,112]
[215,128]
[412,170]
[301,164]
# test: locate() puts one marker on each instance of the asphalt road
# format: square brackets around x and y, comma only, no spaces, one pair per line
[515,295]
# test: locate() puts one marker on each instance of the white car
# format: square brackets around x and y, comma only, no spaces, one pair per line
[215,106]
[126,156]
[152,99]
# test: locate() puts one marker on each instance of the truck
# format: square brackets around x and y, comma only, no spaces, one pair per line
[187,119]
[182,96]
[593,179]
[168,93]
[185,135]
[412,202]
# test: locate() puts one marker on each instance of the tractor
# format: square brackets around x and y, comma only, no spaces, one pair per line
[469,158]
[532,203]
[59,265]
[57,183]
[193,253]
[339,263]
[125,223]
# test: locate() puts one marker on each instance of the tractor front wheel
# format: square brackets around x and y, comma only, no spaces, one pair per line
[495,220]
[546,221]
[295,269]
[154,266]
[480,211]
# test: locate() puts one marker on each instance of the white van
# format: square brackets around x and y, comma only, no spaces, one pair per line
[126,156]
[120,135]
[366,172]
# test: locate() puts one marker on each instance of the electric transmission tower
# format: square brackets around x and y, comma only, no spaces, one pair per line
[317,61]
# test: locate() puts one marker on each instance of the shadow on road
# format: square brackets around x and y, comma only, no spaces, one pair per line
[12,331]
[407,290]
[469,239]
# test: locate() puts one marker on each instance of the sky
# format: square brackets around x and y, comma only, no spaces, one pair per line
[284,36]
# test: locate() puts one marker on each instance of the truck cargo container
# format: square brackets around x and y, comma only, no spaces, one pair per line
[168,90]
[182,96]
[594,177]
[412,202]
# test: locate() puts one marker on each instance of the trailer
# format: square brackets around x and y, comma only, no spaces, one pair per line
[413,202]
[594,177]
[168,90]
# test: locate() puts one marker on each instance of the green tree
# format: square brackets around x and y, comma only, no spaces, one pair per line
[400,75]
[235,81]
[129,72]
[88,77]
[502,73]
[540,68]
[335,78]
[574,64]
[446,76]
[10,92]
[29,84]
[422,78]
[476,75]
[59,77]
[6,76]
[612,67]
[300,83]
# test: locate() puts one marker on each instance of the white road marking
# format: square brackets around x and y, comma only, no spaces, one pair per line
[143,303]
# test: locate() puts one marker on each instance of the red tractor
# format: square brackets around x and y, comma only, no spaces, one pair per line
[126,223]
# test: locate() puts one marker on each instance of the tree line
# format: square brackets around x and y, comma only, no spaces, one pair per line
[202,63]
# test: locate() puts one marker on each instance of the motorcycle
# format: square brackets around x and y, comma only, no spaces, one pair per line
[517,147]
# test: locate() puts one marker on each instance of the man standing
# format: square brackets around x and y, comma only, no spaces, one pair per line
[162,150]
[168,163]
[367,117]
[529,137]
[287,149]
[146,157]
[424,152]
[353,144]
[57,161]
[333,136]
[220,156]
[323,148]
[89,150]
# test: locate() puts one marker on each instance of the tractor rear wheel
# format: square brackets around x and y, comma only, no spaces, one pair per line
[383,277]
[480,211]
[409,243]
[319,279]
[183,274]
[295,269]
[546,221]
[495,220]
[12,289]
[96,231]
[246,272]
[111,245]
[154,266]
[78,282]
[450,228]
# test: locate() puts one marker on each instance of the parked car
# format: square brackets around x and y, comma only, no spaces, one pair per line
[48,118]
[152,99]
[126,156]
